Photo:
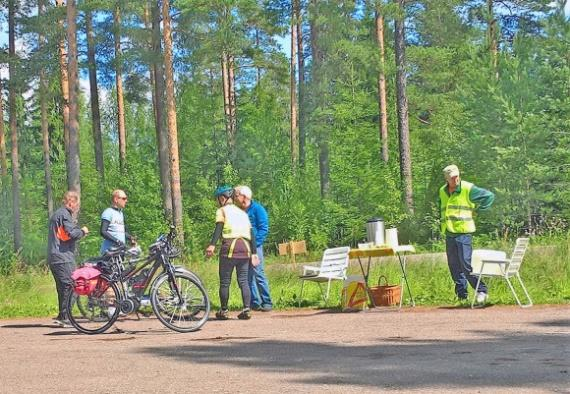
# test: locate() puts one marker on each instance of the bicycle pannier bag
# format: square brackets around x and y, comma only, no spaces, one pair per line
[85,280]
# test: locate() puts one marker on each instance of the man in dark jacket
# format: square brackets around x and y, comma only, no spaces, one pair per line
[62,235]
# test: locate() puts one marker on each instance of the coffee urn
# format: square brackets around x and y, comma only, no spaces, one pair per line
[375,231]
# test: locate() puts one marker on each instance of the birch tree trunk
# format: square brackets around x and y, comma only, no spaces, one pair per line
[94,96]
[402,107]
[44,121]
[119,88]
[13,115]
[72,70]
[171,121]
[382,104]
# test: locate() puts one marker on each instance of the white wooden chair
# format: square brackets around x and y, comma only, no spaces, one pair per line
[494,263]
[333,267]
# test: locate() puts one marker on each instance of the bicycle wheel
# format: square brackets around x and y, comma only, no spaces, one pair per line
[94,313]
[185,314]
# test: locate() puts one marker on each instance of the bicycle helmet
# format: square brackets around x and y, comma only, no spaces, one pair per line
[224,190]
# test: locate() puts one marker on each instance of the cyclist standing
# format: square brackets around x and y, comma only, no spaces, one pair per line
[236,251]
[113,228]
[62,235]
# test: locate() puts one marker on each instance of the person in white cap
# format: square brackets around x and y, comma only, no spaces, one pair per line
[458,200]
[258,283]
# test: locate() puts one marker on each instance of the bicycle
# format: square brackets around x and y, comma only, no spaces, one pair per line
[177,295]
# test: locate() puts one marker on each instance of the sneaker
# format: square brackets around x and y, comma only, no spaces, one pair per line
[481,297]
[245,315]
[223,314]
[256,307]
[111,311]
[266,308]
[63,323]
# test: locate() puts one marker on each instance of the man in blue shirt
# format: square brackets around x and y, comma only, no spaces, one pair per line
[113,229]
[259,286]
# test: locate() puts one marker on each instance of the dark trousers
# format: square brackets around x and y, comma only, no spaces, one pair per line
[226,269]
[61,272]
[459,250]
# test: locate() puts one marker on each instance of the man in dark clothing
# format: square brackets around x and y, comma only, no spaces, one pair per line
[62,235]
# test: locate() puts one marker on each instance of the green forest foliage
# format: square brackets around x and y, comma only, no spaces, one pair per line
[508,134]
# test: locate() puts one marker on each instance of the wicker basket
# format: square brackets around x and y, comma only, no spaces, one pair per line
[385,295]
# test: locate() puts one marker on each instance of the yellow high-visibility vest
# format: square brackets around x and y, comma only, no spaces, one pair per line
[457,210]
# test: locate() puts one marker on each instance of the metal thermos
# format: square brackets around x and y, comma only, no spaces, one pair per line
[375,231]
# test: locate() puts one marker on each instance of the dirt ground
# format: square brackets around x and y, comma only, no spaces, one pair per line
[494,349]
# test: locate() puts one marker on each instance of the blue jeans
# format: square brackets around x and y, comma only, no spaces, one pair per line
[258,284]
[459,250]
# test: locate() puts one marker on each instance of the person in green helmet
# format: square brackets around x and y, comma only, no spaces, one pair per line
[237,250]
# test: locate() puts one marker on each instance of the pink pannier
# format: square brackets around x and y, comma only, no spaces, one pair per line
[85,279]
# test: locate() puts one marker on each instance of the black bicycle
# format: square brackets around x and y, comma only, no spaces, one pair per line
[128,282]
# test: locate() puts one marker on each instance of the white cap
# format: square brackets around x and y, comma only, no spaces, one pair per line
[450,171]
[245,191]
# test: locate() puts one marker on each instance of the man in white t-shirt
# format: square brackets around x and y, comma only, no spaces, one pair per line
[113,229]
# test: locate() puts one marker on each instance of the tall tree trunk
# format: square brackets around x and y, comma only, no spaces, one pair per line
[257,68]
[228,87]
[94,93]
[171,121]
[72,70]
[119,86]
[293,91]
[158,100]
[382,109]
[44,121]
[492,38]
[321,98]
[233,106]
[3,156]
[64,80]
[13,115]
[402,107]
[301,72]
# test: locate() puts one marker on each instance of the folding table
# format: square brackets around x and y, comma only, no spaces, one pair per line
[399,251]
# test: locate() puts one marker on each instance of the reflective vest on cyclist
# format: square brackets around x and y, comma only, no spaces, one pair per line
[236,232]
[457,210]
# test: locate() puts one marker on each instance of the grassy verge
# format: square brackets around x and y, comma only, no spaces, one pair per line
[545,271]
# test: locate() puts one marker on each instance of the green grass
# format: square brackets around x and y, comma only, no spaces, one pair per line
[545,271]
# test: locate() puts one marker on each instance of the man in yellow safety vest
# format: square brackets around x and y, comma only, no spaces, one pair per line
[458,200]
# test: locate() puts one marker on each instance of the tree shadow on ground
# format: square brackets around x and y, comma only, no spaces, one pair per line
[554,323]
[31,325]
[504,359]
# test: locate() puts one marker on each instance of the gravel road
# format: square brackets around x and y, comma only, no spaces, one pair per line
[499,349]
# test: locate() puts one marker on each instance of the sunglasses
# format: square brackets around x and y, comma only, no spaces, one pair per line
[122,198]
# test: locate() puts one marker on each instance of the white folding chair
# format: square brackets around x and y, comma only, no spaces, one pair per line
[494,263]
[333,267]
